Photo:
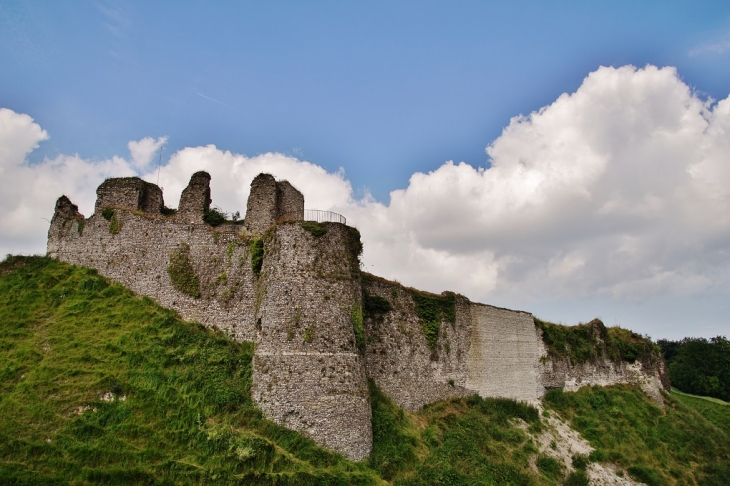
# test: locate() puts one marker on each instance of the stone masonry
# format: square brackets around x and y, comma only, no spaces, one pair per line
[271,200]
[307,373]
[303,304]
[131,193]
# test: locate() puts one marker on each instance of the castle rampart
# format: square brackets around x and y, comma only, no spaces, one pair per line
[321,326]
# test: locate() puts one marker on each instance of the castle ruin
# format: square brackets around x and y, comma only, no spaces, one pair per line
[322,327]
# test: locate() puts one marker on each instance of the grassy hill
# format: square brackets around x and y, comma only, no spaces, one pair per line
[98,385]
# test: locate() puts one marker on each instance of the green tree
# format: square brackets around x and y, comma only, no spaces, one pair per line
[699,366]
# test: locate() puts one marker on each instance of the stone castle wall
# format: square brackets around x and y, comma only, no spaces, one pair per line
[504,354]
[491,351]
[310,372]
[560,373]
[138,256]
[398,357]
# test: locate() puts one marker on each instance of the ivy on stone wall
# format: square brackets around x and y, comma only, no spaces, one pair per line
[182,274]
[375,306]
[257,255]
[107,213]
[431,310]
[357,327]
[354,247]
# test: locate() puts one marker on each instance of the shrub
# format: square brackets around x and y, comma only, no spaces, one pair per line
[577,478]
[214,216]
[107,213]
[167,211]
[587,342]
[257,255]
[549,467]
[374,305]
[645,474]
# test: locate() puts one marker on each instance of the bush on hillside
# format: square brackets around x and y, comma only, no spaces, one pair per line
[699,366]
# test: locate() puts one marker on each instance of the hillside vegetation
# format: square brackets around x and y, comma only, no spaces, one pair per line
[699,366]
[98,385]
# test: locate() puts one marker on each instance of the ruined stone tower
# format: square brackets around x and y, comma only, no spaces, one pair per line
[270,201]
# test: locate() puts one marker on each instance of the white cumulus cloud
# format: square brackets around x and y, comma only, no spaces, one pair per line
[143,150]
[621,188]
[617,192]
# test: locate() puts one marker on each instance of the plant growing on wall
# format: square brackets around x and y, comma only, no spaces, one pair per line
[115,225]
[257,255]
[357,327]
[316,229]
[587,342]
[308,334]
[431,310]
[354,246]
[182,274]
[375,306]
[214,216]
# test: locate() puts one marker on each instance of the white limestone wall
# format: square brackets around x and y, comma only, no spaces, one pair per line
[504,354]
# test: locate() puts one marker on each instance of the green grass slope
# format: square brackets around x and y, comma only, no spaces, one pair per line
[99,386]
[686,443]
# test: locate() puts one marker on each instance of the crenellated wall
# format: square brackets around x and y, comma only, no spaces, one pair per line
[304,305]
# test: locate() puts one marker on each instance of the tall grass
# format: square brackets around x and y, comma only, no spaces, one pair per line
[686,443]
[98,385]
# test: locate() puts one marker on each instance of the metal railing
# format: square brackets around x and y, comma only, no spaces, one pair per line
[313,215]
[323,216]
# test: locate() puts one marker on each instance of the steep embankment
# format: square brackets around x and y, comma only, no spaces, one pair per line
[98,385]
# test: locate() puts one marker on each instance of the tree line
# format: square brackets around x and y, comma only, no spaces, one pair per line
[699,366]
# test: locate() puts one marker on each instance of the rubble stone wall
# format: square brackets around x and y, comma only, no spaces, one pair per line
[307,373]
[398,357]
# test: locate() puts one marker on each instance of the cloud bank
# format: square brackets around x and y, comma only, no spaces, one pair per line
[619,190]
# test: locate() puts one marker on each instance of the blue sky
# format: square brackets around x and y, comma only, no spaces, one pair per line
[382,89]
[364,103]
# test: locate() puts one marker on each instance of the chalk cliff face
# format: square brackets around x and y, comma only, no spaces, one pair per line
[321,327]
